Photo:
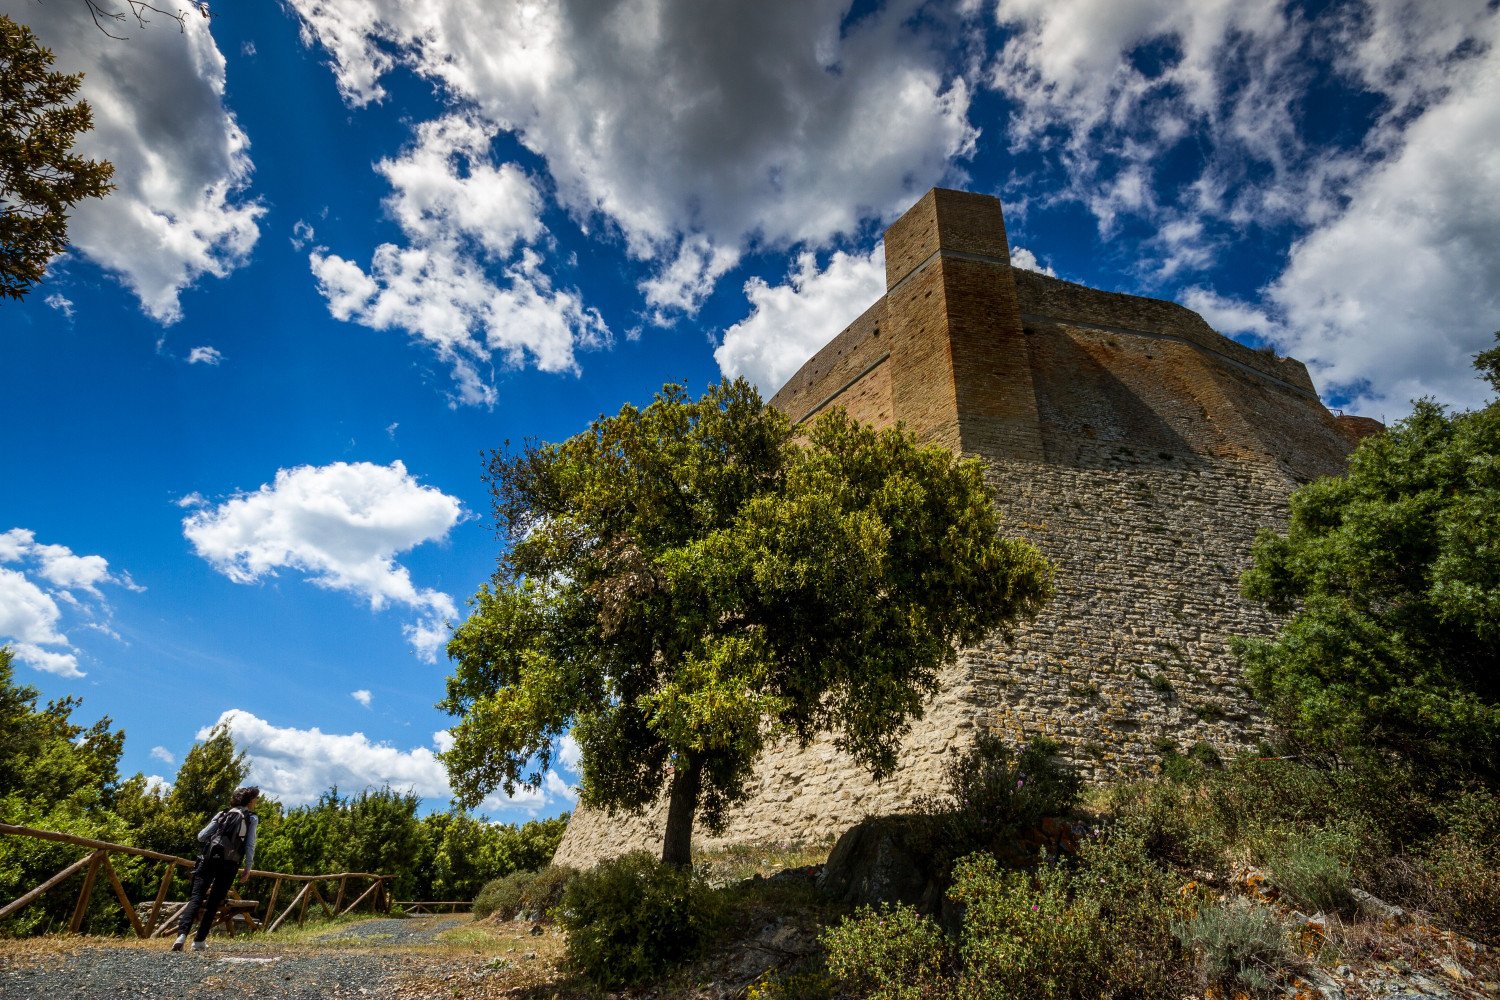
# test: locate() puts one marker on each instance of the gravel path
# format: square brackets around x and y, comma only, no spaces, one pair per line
[368,959]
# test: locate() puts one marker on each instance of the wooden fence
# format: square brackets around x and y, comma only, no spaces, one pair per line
[416,907]
[161,913]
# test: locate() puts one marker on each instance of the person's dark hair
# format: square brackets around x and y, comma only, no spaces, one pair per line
[244,796]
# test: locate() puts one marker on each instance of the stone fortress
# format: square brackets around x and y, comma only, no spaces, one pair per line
[1141,452]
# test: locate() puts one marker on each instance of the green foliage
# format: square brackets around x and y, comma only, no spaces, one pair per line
[1313,868]
[1391,573]
[687,581]
[510,896]
[893,953]
[55,774]
[466,853]
[1025,935]
[1137,900]
[26,862]
[631,918]
[1456,873]
[994,796]
[1238,946]
[40,179]
[1102,928]
[374,831]
[45,757]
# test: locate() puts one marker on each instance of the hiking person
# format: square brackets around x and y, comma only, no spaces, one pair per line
[228,844]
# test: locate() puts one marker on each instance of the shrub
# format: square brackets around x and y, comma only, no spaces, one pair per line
[994,795]
[1313,869]
[1136,900]
[537,892]
[806,984]
[501,896]
[631,918]
[1239,946]
[894,953]
[1024,937]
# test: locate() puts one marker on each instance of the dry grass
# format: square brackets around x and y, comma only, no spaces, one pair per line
[493,959]
[737,862]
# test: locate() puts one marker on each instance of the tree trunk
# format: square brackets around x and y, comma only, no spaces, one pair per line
[682,803]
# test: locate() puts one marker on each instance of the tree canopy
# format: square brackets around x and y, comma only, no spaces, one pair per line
[41,179]
[688,581]
[1391,575]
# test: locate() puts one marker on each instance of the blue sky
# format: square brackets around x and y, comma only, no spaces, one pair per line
[356,243]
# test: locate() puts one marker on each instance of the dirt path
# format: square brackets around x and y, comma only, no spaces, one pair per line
[441,956]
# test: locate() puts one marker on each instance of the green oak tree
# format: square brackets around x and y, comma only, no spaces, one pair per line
[41,179]
[1391,577]
[688,581]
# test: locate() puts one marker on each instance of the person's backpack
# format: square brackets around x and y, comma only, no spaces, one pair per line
[226,835]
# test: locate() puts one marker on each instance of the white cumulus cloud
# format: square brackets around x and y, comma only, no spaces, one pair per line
[342,525]
[296,765]
[164,755]
[46,574]
[464,219]
[362,696]
[569,753]
[694,129]
[182,164]
[205,356]
[789,322]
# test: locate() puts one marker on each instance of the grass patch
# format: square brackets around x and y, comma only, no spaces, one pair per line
[725,866]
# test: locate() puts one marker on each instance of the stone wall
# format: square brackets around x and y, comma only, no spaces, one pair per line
[1140,450]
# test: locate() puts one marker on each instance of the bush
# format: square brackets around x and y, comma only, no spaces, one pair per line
[631,918]
[1463,888]
[1024,937]
[1136,900]
[537,892]
[894,953]
[1313,869]
[1239,946]
[995,796]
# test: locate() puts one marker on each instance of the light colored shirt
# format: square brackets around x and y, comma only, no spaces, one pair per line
[250,840]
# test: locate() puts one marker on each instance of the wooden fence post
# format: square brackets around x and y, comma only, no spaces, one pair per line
[271,906]
[161,895]
[114,880]
[289,908]
[88,890]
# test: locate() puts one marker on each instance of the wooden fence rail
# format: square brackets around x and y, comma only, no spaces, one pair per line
[413,907]
[160,917]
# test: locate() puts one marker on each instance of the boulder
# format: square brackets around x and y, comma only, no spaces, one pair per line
[876,862]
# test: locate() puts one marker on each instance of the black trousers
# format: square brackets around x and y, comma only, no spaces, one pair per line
[211,881]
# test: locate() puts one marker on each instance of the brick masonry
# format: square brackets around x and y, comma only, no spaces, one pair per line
[1138,448]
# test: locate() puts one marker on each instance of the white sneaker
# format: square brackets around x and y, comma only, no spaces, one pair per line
[200,945]
[181,940]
